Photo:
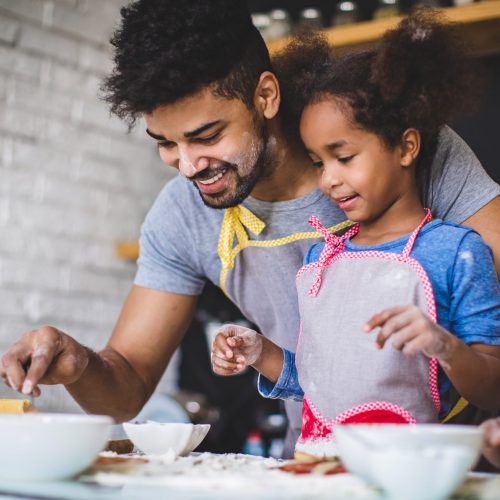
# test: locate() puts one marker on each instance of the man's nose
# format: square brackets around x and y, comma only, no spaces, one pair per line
[189,166]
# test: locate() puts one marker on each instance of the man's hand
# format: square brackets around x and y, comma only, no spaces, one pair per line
[235,347]
[43,356]
[491,449]
[412,332]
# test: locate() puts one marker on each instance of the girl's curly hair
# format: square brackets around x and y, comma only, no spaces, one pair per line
[418,77]
[165,50]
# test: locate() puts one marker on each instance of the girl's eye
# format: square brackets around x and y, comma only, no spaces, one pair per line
[317,164]
[346,159]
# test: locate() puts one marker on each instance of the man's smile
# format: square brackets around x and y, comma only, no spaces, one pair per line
[213,184]
[213,179]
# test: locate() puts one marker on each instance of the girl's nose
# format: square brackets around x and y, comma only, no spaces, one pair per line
[330,178]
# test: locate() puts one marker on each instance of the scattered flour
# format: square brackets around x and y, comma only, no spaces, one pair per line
[234,474]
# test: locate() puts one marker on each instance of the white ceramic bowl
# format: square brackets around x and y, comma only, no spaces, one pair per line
[410,461]
[39,447]
[157,438]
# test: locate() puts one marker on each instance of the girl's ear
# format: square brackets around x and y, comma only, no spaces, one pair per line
[410,146]
[267,95]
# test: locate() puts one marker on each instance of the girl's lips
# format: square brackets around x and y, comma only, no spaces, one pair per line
[214,187]
[347,203]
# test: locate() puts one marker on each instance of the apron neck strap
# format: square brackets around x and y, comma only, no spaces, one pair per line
[333,245]
[411,241]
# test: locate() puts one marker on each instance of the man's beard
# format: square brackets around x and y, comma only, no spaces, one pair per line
[244,183]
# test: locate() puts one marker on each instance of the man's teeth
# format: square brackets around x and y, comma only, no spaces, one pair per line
[213,179]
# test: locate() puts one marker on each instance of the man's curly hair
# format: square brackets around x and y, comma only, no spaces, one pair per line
[169,49]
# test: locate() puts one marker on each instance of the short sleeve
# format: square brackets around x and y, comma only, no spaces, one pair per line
[475,293]
[459,185]
[167,258]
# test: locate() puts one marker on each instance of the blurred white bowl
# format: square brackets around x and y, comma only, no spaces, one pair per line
[39,447]
[410,461]
[158,438]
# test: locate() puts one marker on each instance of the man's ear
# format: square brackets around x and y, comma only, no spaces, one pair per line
[410,146]
[267,95]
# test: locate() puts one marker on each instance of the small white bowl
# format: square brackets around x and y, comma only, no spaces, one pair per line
[44,447]
[157,438]
[410,461]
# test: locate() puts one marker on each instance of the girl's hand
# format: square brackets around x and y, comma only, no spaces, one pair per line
[235,347]
[491,449]
[412,331]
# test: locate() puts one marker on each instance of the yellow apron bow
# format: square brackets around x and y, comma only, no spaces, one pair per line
[236,219]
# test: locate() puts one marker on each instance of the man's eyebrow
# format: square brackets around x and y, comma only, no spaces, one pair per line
[201,129]
[155,136]
[187,135]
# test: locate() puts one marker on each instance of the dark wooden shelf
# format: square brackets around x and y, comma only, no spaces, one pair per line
[481,28]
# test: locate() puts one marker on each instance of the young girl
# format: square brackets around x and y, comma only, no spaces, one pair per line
[370,122]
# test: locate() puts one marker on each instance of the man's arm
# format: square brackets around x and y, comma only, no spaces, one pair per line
[149,329]
[486,221]
[461,191]
[491,449]
[118,380]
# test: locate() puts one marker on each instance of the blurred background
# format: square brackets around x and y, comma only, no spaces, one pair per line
[74,183]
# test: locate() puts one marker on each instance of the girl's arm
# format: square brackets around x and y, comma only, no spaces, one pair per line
[474,357]
[471,355]
[270,362]
[236,347]
[473,370]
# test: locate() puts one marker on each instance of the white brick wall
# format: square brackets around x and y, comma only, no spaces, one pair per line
[72,181]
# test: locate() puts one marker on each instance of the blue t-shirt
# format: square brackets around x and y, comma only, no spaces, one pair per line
[466,289]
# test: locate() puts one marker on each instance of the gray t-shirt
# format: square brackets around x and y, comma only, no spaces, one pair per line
[183,243]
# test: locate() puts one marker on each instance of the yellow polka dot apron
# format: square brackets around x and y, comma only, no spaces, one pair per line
[344,377]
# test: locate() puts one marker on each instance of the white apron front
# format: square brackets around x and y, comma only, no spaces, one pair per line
[345,378]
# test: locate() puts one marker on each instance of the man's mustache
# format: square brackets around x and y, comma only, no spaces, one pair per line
[212,171]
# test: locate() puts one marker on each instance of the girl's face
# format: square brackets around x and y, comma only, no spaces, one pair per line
[359,173]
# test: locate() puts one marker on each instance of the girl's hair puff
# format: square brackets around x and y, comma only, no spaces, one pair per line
[422,70]
[298,67]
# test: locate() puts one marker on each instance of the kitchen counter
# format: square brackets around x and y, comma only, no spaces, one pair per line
[210,476]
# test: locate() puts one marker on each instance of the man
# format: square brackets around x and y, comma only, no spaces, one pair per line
[199,73]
